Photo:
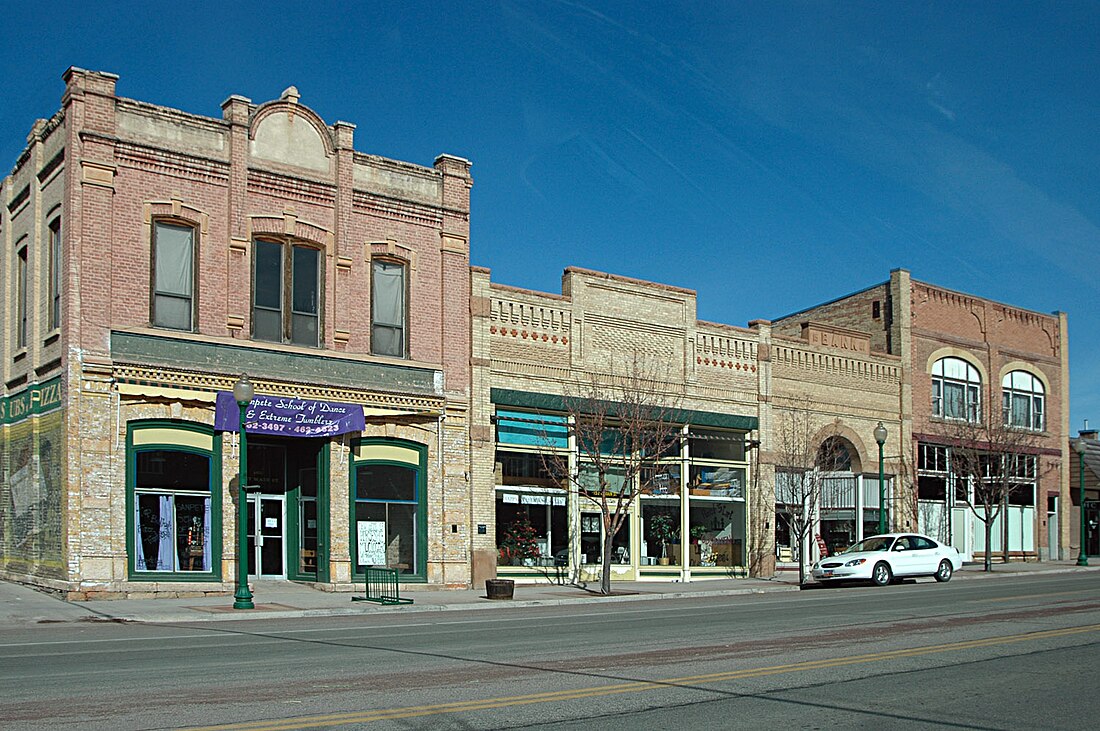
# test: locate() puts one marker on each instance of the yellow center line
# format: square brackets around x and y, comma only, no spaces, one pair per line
[336,719]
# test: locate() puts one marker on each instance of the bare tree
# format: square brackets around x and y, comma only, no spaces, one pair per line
[803,455]
[621,425]
[992,461]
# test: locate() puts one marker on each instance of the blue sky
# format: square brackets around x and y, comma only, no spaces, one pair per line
[768,155]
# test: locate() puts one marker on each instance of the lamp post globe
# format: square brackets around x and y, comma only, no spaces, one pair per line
[880,437]
[242,394]
[1080,447]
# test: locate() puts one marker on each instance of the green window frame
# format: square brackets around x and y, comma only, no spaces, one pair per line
[170,534]
[389,485]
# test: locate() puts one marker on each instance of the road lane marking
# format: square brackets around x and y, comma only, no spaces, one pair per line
[336,719]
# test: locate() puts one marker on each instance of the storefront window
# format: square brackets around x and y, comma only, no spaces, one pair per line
[172,526]
[717,481]
[386,511]
[838,516]
[870,522]
[660,531]
[592,543]
[717,533]
[716,445]
[532,528]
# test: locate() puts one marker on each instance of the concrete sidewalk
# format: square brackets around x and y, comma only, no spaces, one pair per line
[22,605]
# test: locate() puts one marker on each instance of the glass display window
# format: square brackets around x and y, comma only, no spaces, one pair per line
[532,528]
[716,533]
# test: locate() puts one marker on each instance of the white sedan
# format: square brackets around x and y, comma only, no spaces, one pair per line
[881,559]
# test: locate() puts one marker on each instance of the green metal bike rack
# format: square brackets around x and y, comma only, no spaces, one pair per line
[382,588]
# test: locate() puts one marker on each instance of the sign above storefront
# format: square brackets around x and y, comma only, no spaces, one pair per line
[291,417]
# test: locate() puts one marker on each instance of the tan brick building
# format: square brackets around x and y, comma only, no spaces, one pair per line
[150,258]
[733,383]
[966,360]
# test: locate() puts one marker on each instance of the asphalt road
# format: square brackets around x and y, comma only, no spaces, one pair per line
[999,653]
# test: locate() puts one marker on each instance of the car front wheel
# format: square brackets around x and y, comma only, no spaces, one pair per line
[881,574]
[943,573]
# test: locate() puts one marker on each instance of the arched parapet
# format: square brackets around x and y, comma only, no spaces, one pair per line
[289,133]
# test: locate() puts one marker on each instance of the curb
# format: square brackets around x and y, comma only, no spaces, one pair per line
[198,616]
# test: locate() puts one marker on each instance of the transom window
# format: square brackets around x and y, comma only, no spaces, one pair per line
[173,275]
[388,308]
[286,293]
[956,390]
[1023,400]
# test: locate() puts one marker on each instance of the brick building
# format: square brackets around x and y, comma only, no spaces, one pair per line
[733,387]
[974,372]
[150,258]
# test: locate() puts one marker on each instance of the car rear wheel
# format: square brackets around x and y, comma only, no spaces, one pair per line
[881,574]
[943,573]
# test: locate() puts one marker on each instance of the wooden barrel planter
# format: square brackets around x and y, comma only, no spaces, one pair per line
[499,588]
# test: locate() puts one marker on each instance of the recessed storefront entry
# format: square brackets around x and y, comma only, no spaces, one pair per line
[286,502]
[266,536]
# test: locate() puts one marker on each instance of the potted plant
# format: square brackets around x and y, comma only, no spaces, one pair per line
[664,530]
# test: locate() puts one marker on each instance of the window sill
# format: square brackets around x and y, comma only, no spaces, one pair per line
[20,354]
[951,420]
[51,338]
[190,577]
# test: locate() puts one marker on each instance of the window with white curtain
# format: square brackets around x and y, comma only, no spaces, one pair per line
[1023,399]
[173,275]
[388,308]
[956,390]
[172,528]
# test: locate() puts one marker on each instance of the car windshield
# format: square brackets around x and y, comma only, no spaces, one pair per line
[878,543]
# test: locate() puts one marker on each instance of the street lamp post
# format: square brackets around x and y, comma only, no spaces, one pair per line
[880,437]
[1079,446]
[242,394]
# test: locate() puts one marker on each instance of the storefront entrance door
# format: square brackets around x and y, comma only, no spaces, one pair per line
[266,536]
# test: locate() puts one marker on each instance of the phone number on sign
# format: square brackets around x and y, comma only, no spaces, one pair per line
[254,426]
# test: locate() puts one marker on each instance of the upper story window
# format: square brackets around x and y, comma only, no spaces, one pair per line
[834,455]
[173,275]
[1023,400]
[21,298]
[956,390]
[286,293]
[389,329]
[54,305]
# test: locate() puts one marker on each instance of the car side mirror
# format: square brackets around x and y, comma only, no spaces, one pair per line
[899,548]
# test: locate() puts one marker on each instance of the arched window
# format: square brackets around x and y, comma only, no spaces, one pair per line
[834,455]
[956,390]
[1023,400]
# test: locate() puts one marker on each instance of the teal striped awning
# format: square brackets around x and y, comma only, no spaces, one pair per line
[544,402]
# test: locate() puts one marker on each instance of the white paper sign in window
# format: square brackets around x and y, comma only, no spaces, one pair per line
[371,535]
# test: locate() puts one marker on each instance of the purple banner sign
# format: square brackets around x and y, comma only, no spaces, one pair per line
[290,417]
